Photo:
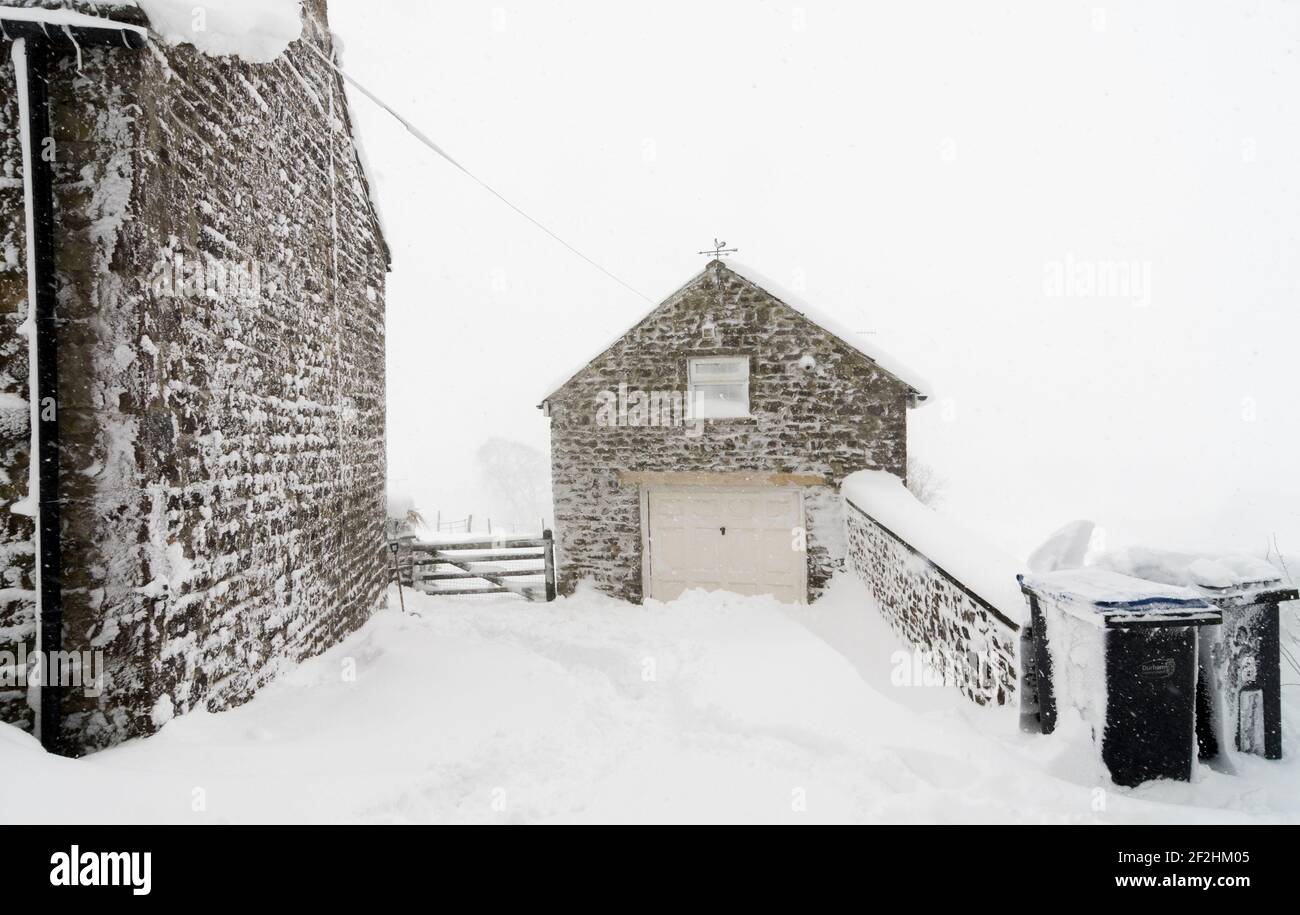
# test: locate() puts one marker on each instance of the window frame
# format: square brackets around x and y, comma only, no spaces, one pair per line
[692,384]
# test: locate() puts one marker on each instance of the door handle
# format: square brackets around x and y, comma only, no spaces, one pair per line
[724,531]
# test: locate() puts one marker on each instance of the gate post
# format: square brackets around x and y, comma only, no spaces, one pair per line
[548,558]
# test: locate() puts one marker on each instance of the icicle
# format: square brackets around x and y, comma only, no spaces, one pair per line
[67,31]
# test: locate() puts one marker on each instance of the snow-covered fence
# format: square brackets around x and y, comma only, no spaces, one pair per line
[939,587]
[454,526]
[466,525]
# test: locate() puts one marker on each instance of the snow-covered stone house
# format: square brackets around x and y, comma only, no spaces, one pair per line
[705,446]
[217,286]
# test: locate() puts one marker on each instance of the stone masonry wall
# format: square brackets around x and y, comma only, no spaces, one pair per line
[17,612]
[963,635]
[221,274]
[839,414]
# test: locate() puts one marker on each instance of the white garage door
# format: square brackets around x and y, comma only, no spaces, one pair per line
[725,539]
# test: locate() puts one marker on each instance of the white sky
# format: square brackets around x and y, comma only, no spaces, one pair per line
[916,168]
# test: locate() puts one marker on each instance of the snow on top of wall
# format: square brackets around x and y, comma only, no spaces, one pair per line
[899,370]
[61,18]
[257,31]
[1216,572]
[963,554]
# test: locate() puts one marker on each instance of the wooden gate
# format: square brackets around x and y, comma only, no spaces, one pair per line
[502,565]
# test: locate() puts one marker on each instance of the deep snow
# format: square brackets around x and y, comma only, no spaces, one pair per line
[710,708]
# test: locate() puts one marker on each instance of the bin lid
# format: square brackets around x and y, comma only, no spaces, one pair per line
[1211,574]
[1110,600]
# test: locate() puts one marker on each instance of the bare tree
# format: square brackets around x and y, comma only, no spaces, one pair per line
[516,478]
[924,483]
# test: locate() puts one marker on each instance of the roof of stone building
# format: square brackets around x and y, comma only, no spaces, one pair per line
[918,387]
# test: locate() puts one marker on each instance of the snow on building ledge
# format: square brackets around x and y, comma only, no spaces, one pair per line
[255,31]
[64,21]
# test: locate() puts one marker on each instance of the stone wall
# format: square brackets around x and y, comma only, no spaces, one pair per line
[221,275]
[964,636]
[818,407]
[17,612]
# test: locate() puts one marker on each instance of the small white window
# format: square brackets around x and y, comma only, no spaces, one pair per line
[718,387]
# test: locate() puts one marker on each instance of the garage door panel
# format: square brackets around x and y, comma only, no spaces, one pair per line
[741,555]
[778,547]
[700,511]
[738,541]
[777,510]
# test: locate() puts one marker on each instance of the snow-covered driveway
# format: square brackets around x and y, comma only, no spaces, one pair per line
[711,708]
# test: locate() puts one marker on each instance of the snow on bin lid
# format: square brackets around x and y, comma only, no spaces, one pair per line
[1109,599]
[1211,572]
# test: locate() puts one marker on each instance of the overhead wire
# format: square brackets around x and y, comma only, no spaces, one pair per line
[425,140]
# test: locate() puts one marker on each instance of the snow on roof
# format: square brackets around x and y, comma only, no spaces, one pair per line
[963,554]
[257,31]
[65,18]
[570,374]
[899,370]
[906,375]
[1199,570]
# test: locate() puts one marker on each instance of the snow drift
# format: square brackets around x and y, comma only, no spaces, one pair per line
[711,708]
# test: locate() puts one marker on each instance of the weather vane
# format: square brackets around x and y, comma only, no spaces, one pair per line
[719,249]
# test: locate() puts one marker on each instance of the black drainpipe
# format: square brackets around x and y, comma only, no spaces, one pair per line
[42,44]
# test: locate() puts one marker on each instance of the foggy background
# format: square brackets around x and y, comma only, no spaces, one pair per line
[925,171]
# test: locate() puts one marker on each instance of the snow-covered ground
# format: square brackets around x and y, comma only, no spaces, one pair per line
[710,708]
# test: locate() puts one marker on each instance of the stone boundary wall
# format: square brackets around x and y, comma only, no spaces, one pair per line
[970,640]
